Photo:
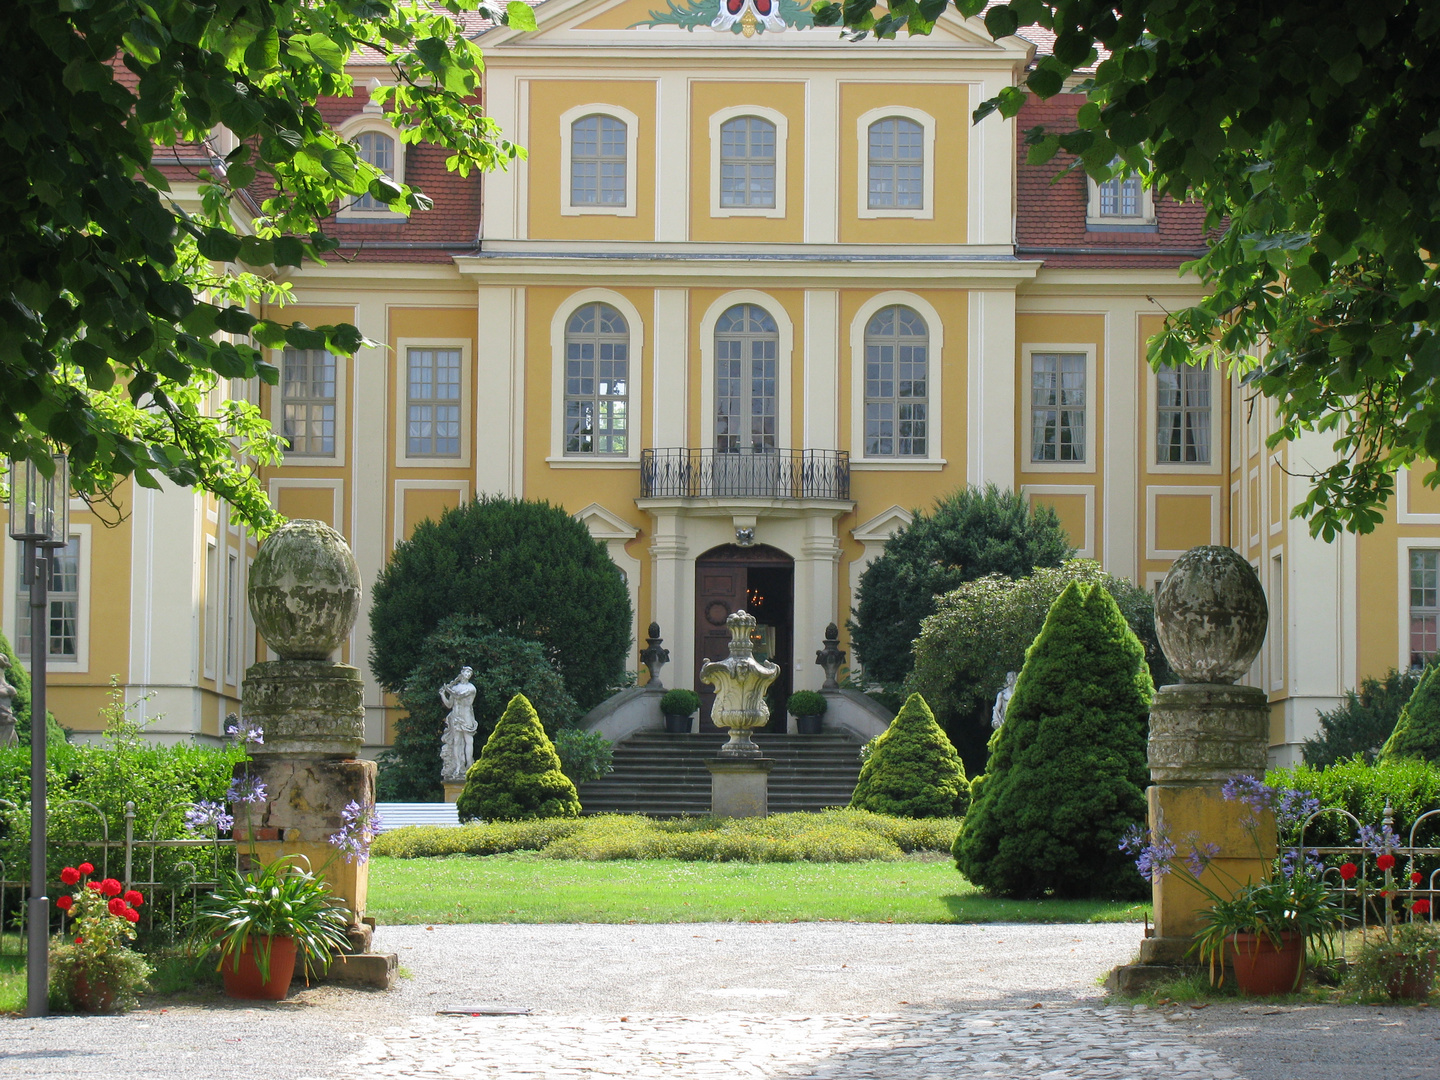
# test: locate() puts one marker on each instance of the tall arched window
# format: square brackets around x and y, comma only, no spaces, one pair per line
[897,384]
[378,149]
[747,343]
[597,381]
[896,164]
[747,162]
[597,161]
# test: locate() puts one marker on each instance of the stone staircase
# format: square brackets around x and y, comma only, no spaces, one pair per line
[664,775]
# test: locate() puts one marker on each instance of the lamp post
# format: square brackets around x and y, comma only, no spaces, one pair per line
[40,518]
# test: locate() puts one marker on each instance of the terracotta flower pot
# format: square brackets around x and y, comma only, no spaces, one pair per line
[1262,970]
[246,982]
[1411,981]
[90,997]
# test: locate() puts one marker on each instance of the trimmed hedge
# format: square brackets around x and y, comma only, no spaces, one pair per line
[1409,785]
[517,775]
[829,836]
[1417,732]
[912,770]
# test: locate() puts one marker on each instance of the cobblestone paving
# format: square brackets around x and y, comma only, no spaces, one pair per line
[1038,1043]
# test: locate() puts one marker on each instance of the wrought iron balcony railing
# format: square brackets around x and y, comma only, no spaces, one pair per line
[760,474]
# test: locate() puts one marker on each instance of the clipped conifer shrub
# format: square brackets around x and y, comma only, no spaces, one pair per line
[1067,771]
[1363,720]
[1417,732]
[912,770]
[518,774]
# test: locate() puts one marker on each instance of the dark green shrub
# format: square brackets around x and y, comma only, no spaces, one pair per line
[1067,771]
[503,667]
[517,775]
[1409,785]
[969,534]
[18,676]
[584,755]
[1363,721]
[980,631]
[807,703]
[912,770]
[1417,732]
[679,702]
[528,569]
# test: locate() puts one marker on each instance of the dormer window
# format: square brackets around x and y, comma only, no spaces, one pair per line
[1120,204]
[378,149]
[377,144]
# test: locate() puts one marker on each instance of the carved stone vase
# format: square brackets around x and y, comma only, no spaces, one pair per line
[740,683]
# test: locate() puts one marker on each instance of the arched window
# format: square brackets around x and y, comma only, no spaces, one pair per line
[747,343]
[897,384]
[597,381]
[378,149]
[597,161]
[747,162]
[896,164]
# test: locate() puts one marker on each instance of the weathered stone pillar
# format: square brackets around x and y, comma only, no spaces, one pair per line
[740,774]
[1210,616]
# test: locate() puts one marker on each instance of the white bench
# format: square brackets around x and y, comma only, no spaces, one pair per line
[395,815]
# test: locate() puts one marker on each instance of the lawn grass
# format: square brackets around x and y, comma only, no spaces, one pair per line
[12,982]
[526,888]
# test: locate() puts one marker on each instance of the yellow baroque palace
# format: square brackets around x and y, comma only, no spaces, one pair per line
[756,295]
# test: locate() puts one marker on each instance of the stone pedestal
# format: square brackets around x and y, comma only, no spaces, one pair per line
[739,786]
[453,788]
[307,708]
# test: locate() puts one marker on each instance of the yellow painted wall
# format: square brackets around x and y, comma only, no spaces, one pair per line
[426,503]
[1423,500]
[708,98]
[621,16]
[545,171]
[949,104]
[1070,509]
[318,504]
[1182,521]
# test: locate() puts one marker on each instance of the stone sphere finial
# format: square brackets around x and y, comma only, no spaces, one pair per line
[304,590]
[1210,615]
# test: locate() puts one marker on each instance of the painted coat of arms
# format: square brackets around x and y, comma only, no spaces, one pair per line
[747,17]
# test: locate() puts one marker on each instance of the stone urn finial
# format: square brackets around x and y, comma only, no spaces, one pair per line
[1210,615]
[654,657]
[304,590]
[740,683]
[830,656]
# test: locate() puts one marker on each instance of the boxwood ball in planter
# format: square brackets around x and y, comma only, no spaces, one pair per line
[679,706]
[807,706]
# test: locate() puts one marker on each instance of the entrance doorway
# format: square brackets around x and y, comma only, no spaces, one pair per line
[761,580]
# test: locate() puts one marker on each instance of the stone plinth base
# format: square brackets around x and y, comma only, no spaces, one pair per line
[453,788]
[1207,733]
[310,708]
[377,970]
[739,786]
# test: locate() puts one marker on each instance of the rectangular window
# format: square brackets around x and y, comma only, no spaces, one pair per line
[896,166]
[307,401]
[1182,419]
[1276,635]
[1424,605]
[1120,197]
[597,161]
[747,162]
[432,408]
[232,636]
[376,149]
[1057,407]
[211,609]
[64,603]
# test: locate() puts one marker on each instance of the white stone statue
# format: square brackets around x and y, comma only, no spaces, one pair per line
[457,745]
[1002,699]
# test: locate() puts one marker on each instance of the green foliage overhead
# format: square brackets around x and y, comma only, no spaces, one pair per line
[1417,732]
[517,775]
[503,667]
[1309,133]
[1067,771]
[967,535]
[119,309]
[1410,786]
[912,770]
[1362,722]
[528,569]
[980,631]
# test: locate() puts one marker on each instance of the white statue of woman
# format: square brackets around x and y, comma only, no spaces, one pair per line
[1002,699]
[457,745]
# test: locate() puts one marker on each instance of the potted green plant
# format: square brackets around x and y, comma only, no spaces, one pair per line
[91,965]
[265,921]
[678,706]
[807,706]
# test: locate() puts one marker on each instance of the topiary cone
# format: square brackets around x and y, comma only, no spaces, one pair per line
[1417,732]
[913,770]
[517,775]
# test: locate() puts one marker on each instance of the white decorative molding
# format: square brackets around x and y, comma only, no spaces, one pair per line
[1214,494]
[1085,549]
[460,487]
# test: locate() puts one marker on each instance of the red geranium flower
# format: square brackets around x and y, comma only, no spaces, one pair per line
[64,903]
[1421,907]
[111,887]
[86,868]
[117,906]
[1385,862]
[132,914]
[1416,877]
[93,885]
[1348,870]
[134,898]
[79,941]
[1384,893]
[69,876]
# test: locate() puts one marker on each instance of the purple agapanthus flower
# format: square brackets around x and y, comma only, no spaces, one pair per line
[359,825]
[1257,796]
[1307,862]
[246,732]
[1201,855]
[1292,809]
[206,815]
[246,790]
[1380,840]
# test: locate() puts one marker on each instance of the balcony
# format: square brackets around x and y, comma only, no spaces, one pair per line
[747,474]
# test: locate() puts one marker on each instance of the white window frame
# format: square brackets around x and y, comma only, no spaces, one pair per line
[783,353]
[1152,433]
[277,411]
[862,154]
[1144,221]
[632,161]
[17,601]
[210,576]
[558,458]
[782,133]
[234,587]
[403,457]
[372,119]
[1275,644]
[1404,546]
[1027,414]
[934,458]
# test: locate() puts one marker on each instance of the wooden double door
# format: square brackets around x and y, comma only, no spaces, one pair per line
[761,581]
